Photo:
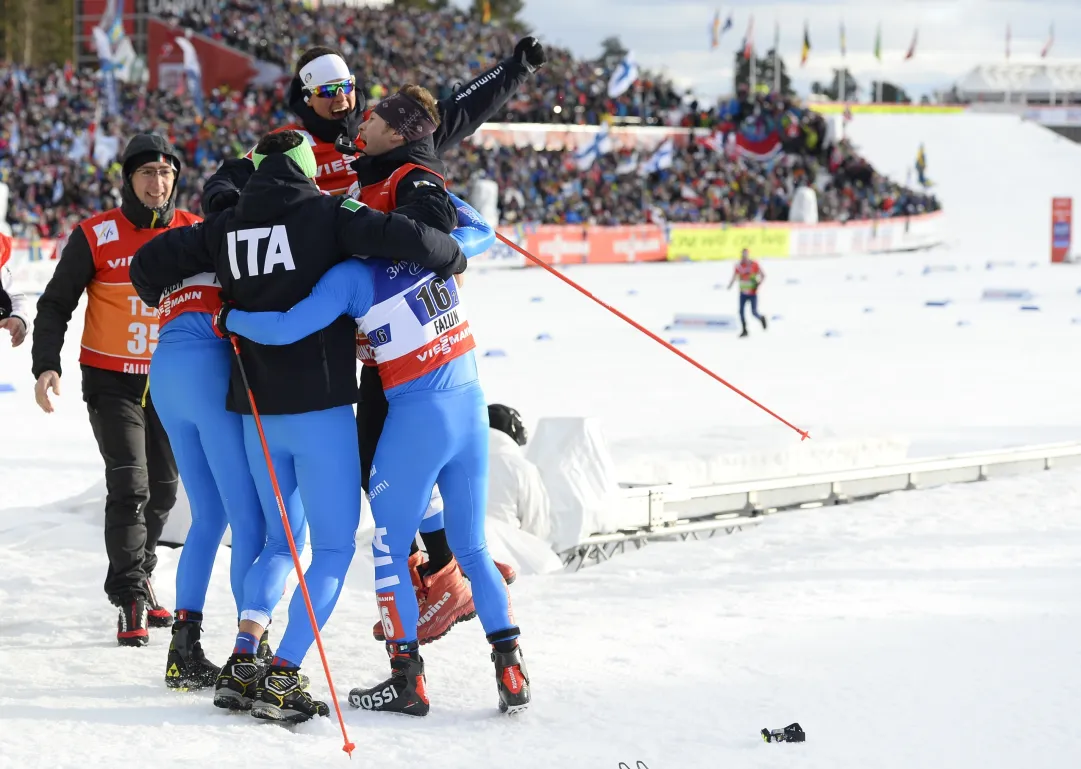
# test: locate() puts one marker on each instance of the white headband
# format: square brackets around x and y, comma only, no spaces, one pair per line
[329,68]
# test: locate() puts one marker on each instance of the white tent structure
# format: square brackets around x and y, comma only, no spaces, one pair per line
[1058,83]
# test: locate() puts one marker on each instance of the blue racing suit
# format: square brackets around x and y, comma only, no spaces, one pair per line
[437,424]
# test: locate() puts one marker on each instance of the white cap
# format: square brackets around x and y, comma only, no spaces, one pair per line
[329,68]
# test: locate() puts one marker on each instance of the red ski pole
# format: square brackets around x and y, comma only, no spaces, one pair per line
[804,435]
[348,747]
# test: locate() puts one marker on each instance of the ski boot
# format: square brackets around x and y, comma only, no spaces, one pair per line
[156,614]
[763,319]
[187,668]
[512,678]
[131,627]
[235,687]
[279,696]
[404,691]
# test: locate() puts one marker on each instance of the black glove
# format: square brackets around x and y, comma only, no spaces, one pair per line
[530,53]
[220,320]
[223,201]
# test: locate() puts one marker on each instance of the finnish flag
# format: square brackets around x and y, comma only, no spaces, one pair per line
[600,145]
[660,159]
[624,76]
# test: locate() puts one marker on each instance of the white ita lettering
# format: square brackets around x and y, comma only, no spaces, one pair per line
[277,250]
[380,698]
[433,610]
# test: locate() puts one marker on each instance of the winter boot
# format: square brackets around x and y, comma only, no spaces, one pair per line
[443,599]
[264,653]
[763,319]
[279,696]
[404,691]
[235,687]
[131,627]
[157,615]
[508,572]
[744,332]
[187,668]
[512,679]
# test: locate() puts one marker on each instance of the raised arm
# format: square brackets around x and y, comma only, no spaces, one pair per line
[473,234]
[346,289]
[478,102]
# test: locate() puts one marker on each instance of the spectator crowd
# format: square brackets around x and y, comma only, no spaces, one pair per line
[59,155]
[391,45]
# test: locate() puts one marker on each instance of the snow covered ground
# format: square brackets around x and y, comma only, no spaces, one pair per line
[930,629]
[925,629]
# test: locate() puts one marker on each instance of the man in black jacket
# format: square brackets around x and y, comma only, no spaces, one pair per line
[323,96]
[119,336]
[269,251]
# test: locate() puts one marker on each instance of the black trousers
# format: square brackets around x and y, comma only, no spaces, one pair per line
[372,410]
[140,479]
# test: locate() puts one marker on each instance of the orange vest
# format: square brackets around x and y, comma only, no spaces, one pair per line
[383,196]
[120,332]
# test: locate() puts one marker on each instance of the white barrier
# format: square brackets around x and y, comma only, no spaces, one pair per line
[867,236]
[671,511]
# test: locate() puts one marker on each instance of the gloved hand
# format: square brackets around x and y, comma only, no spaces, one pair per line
[222,201]
[530,53]
[220,320]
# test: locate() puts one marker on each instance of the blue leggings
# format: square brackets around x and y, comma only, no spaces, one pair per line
[744,300]
[188,382]
[316,454]
[433,436]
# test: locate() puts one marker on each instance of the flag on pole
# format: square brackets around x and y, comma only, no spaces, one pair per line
[844,46]
[193,70]
[1007,42]
[878,43]
[624,76]
[1050,42]
[748,41]
[715,30]
[485,12]
[806,45]
[912,47]
[727,24]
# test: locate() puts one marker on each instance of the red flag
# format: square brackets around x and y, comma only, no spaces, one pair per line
[748,42]
[912,47]
[1050,42]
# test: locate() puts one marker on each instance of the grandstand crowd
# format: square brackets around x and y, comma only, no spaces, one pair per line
[58,154]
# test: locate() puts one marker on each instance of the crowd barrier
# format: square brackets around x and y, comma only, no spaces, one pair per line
[585,244]
[561,244]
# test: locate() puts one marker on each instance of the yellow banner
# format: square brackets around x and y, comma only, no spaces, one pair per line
[701,244]
[836,108]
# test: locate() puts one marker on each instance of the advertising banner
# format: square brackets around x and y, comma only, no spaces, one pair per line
[707,242]
[1061,229]
[584,244]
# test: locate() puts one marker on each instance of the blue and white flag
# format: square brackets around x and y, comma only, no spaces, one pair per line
[194,71]
[600,145]
[624,76]
[661,158]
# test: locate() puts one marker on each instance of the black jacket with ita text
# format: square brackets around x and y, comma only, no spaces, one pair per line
[268,252]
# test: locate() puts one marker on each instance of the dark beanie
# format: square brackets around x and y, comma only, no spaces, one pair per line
[507,420]
[132,164]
